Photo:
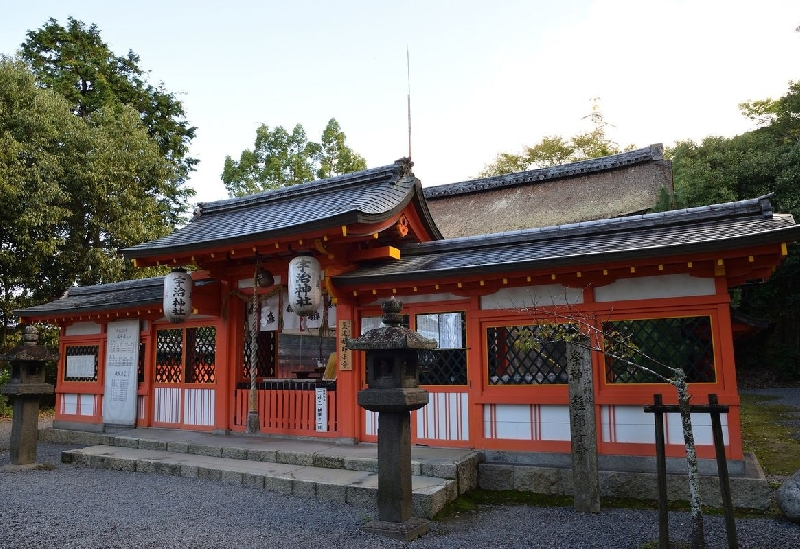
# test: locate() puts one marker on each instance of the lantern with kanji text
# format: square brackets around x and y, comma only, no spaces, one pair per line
[305,290]
[177,295]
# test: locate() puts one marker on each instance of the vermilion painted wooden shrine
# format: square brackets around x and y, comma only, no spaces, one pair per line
[663,279]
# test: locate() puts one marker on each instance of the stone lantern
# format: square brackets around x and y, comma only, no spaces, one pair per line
[26,387]
[393,391]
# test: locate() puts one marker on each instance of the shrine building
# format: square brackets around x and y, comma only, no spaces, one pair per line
[489,294]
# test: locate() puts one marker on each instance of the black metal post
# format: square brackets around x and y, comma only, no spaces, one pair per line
[722,471]
[661,473]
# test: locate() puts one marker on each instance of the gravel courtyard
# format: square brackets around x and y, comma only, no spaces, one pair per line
[60,505]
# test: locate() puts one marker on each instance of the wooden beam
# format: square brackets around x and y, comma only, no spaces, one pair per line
[370,254]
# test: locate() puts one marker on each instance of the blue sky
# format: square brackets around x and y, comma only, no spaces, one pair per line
[485,76]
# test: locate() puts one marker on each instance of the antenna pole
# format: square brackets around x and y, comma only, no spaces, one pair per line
[408,80]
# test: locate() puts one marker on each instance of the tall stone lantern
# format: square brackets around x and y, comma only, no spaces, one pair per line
[26,387]
[393,391]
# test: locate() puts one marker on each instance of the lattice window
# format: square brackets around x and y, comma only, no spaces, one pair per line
[266,349]
[81,363]
[668,342]
[169,356]
[201,347]
[527,355]
[446,365]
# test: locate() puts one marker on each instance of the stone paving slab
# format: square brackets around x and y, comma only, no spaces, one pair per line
[449,463]
[360,487]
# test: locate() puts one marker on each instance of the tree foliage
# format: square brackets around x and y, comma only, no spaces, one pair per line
[75,62]
[94,158]
[554,150]
[279,159]
[33,123]
[765,160]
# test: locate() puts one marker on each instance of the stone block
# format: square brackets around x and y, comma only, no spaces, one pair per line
[234,453]
[252,480]
[304,489]
[495,476]
[539,480]
[295,458]
[125,442]
[439,470]
[209,473]
[189,471]
[262,455]
[788,498]
[153,445]
[231,477]
[122,464]
[278,484]
[467,475]
[328,462]
[369,465]
[205,450]
[166,468]
[178,447]
[146,466]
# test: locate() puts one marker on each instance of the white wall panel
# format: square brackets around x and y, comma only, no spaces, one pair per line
[655,287]
[445,417]
[541,296]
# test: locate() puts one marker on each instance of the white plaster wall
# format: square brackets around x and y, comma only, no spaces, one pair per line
[83,328]
[554,421]
[421,298]
[526,422]
[701,427]
[632,425]
[527,296]
[627,424]
[445,417]
[655,287]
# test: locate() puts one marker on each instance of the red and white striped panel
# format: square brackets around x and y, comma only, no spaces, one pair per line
[526,421]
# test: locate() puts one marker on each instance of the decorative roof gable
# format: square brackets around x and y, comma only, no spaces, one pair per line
[365,197]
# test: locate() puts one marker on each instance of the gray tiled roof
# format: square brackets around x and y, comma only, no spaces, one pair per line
[103,297]
[593,165]
[368,196]
[693,230]
[128,293]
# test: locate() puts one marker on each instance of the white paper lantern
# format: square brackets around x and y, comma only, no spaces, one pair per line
[177,295]
[305,292]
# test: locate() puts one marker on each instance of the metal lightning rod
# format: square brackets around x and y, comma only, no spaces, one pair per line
[408,80]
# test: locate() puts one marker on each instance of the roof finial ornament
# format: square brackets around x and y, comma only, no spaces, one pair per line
[405,165]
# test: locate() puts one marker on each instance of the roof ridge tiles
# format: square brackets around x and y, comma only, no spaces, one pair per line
[591,165]
[760,205]
[395,171]
[114,286]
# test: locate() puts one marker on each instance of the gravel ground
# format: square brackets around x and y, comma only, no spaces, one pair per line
[73,506]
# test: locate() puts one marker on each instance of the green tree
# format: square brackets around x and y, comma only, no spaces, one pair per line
[279,159]
[554,150]
[75,62]
[33,123]
[332,156]
[765,160]
[73,190]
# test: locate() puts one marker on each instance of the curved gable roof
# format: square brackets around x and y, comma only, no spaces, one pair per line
[368,196]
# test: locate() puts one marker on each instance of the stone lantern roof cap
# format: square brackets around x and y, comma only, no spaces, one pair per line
[392,335]
[29,350]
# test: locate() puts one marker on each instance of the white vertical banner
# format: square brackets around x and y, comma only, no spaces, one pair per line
[121,379]
[321,409]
